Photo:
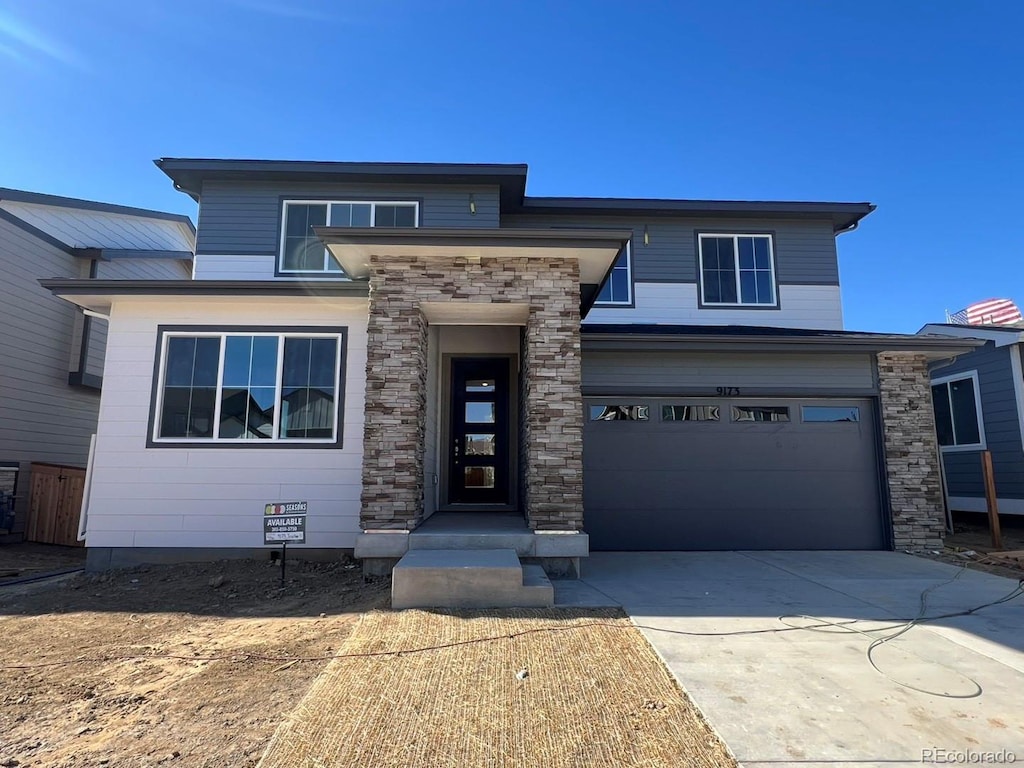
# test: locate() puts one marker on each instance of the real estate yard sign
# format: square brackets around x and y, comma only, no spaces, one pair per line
[284,522]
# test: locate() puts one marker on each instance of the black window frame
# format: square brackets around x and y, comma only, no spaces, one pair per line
[164,331]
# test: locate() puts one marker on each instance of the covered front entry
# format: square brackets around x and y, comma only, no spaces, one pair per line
[732,473]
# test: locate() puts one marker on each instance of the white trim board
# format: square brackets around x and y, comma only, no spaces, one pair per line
[982,445]
[1017,371]
[979,504]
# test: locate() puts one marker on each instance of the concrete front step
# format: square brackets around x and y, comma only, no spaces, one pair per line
[468,578]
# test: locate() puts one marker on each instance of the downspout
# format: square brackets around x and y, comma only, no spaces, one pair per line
[83,351]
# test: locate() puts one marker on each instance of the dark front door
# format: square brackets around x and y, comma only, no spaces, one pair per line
[478,453]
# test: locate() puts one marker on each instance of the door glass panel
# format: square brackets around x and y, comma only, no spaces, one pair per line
[479,477]
[619,412]
[479,385]
[479,413]
[479,445]
[689,413]
[760,413]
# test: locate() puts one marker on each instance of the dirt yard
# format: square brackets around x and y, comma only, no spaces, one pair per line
[201,665]
[177,666]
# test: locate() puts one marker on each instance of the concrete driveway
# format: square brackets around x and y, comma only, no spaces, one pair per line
[812,697]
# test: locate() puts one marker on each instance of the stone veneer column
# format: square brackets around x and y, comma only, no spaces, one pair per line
[551,443]
[911,452]
[553,461]
[393,436]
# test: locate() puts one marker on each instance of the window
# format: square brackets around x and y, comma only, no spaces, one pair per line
[957,407]
[619,413]
[760,413]
[737,270]
[619,288]
[248,387]
[301,250]
[830,413]
[689,413]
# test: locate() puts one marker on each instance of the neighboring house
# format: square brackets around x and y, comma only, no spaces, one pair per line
[392,341]
[52,353]
[979,405]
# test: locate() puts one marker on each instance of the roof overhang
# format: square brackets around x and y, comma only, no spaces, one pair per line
[758,339]
[844,216]
[189,174]
[99,295]
[1003,337]
[594,249]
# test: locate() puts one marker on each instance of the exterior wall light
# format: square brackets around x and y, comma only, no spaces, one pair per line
[647,236]
[472,204]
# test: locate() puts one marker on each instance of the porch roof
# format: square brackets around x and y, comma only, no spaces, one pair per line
[595,249]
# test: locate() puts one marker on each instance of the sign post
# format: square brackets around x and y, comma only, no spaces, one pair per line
[284,522]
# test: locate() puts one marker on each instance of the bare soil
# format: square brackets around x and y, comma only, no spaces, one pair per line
[26,560]
[170,665]
[970,544]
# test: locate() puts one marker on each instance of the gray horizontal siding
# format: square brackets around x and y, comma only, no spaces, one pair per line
[687,372]
[805,251]
[243,218]
[1002,426]
[41,417]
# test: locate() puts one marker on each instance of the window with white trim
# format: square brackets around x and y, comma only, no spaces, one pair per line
[301,250]
[958,418]
[737,270]
[618,289]
[248,386]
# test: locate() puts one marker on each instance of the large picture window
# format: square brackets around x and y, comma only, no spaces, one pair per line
[957,405]
[737,270]
[301,250]
[248,386]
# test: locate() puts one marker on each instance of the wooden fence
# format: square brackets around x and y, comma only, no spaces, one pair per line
[55,502]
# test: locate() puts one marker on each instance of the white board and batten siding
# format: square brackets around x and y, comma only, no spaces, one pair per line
[214,497]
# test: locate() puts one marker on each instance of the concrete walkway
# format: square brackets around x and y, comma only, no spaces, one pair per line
[812,698]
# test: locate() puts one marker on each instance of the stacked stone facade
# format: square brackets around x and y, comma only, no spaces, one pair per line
[396,369]
[911,452]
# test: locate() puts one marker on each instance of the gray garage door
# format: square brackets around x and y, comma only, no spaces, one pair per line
[687,474]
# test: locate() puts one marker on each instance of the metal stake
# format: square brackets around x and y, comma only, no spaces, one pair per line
[284,554]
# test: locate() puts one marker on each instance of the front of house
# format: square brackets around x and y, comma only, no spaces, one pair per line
[393,343]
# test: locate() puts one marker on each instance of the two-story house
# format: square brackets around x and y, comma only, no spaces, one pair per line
[51,354]
[399,344]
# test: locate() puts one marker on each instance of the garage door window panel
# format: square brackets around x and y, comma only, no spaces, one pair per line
[830,414]
[760,413]
[619,412]
[958,417]
[690,413]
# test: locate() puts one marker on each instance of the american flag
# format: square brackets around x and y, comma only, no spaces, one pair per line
[988,312]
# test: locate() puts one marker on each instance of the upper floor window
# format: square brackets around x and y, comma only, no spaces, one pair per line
[248,387]
[619,287]
[737,270]
[957,407]
[301,250]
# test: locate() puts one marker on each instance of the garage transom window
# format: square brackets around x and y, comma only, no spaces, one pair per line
[760,413]
[957,405]
[689,413]
[301,250]
[737,270]
[619,412]
[248,388]
[830,413]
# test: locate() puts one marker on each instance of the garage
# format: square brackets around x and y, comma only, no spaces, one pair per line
[719,473]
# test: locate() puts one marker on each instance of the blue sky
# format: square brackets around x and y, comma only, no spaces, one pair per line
[915,106]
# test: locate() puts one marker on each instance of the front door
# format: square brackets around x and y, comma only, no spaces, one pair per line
[478,454]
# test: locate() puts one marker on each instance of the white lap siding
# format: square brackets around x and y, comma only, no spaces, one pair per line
[214,496]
